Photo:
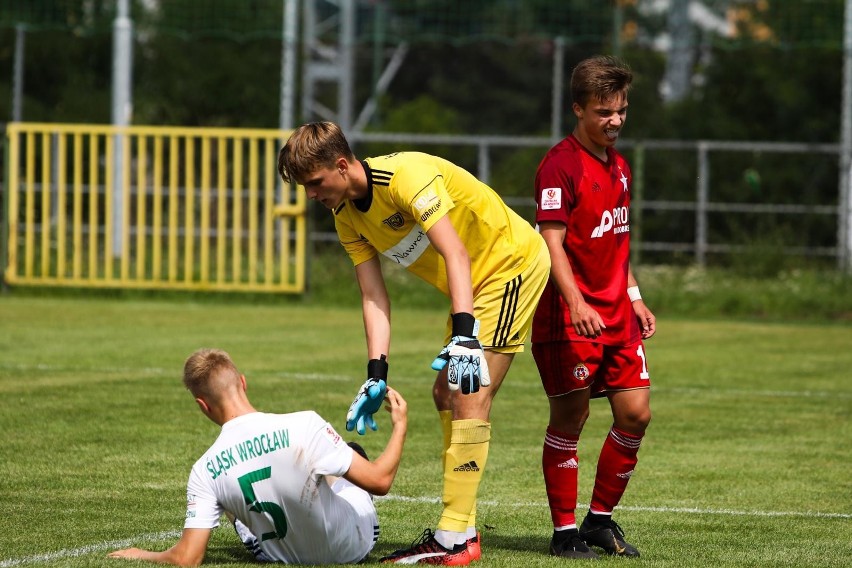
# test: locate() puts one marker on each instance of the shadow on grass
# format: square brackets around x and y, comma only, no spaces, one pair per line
[230,553]
[517,543]
[492,544]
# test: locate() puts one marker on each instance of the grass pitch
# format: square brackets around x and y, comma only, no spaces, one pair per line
[746,462]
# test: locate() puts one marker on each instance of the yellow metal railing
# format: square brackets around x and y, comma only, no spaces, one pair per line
[151,207]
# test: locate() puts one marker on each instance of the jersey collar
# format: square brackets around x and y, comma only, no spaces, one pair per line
[363,204]
[609,150]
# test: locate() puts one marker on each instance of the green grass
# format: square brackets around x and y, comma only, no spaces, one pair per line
[746,462]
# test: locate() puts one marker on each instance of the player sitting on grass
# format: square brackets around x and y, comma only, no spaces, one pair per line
[295,491]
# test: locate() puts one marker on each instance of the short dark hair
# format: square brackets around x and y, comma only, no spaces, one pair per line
[600,77]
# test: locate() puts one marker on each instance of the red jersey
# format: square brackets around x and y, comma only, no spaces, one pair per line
[592,199]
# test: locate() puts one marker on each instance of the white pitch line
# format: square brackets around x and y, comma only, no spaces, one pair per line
[685,510]
[88,549]
[747,392]
[335,377]
[81,369]
[160,371]
[331,377]
[698,511]
[117,544]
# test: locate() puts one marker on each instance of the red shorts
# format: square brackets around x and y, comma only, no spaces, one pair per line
[567,366]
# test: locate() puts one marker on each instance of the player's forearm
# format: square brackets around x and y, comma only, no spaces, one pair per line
[387,464]
[560,267]
[377,328]
[563,276]
[375,305]
[446,241]
[174,556]
[376,311]
[631,280]
[459,282]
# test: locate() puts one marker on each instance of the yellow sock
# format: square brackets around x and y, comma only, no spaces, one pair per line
[463,469]
[446,417]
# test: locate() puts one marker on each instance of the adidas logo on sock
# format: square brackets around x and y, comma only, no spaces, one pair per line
[627,475]
[469,466]
[569,464]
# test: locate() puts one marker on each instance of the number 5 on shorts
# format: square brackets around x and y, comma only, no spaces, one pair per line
[276,512]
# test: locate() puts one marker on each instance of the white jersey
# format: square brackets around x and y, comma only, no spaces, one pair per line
[268,470]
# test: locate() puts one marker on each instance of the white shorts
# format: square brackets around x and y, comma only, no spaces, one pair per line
[250,541]
[354,537]
[366,528]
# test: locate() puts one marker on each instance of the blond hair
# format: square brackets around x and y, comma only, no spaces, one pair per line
[601,77]
[210,373]
[312,146]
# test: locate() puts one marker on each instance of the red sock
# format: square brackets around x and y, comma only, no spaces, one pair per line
[615,466]
[559,463]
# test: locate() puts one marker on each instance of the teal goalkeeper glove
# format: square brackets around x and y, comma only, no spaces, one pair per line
[468,369]
[369,398]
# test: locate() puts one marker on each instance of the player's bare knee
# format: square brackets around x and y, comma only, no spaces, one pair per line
[569,423]
[634,421]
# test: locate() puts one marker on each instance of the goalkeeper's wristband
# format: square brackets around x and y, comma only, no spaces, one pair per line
[465,324]
[378,368]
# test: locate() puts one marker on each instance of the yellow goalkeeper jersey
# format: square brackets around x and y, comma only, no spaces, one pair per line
[408,192]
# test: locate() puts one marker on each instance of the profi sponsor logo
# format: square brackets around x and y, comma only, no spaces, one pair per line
[617,221]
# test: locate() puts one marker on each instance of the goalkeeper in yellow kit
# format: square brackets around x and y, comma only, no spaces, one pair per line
[441,223]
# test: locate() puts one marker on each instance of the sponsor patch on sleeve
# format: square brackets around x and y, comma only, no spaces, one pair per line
[551,198]
[427,204]
[333,436]
[191,506]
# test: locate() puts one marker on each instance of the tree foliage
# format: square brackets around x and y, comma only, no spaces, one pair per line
[218,63]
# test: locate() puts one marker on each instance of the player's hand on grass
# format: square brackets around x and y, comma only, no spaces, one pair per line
[133,554]
[464,357]
[129,553]
[369,398]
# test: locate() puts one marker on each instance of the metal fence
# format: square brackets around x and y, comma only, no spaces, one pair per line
[151,207]
[203,209]
[701,203]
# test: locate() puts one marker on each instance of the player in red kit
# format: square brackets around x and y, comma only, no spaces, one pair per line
[591,320]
